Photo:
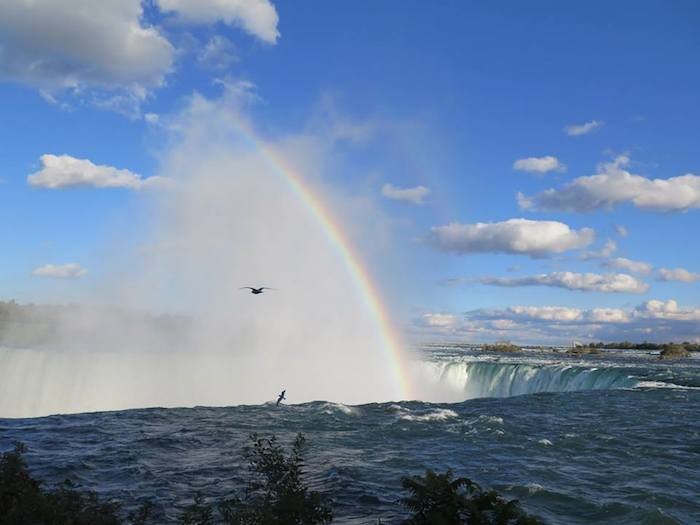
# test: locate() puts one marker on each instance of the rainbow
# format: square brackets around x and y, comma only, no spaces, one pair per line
[350,258]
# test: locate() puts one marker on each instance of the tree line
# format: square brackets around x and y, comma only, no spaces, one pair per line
[646,345]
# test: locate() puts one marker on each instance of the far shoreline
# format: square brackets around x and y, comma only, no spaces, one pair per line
[668,350]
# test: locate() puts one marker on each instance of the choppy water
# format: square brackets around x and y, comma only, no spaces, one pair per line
[581,440]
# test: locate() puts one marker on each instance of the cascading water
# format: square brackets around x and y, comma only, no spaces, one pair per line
[457,380]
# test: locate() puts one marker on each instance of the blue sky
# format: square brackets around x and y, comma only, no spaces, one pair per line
[447,97]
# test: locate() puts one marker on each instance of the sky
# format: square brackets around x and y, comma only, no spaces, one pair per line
[525,171]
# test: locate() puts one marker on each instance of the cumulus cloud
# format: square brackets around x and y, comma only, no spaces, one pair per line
[514,236]
[585,282]
[547,313]
[607,315]
[257,17]
[668,310]
[79,45]
[564,314]
[60,271]
[439,320]
[651,320]
[613,185]
[413,195]
[105,53]
[574,130]
[539,164]
[622,263]
[678,274]
[64,171]
[555,315]
[606,251]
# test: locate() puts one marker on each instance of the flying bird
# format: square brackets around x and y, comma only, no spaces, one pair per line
[255,291]
[281,397]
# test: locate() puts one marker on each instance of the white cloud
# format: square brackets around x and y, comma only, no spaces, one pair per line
[607,315]
[440,320]
[413,195]
[64,171]
[574,130]
[81,45]
[555,314]
[678,274]
[621,230]
[539,164]
[60,271]
[669,310]
[515,236]
[652,320]
[613,185]
[606,251]
[547,313]
[219,53]
[622,263]
[152,118]
[586,282]
[257,17]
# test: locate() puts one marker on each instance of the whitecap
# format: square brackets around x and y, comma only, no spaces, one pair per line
[492,419]
[533,488]
[441,414]
[329,408]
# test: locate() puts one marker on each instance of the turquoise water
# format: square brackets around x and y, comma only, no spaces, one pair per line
[588,440]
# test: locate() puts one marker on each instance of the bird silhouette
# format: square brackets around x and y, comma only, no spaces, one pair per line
[255,291]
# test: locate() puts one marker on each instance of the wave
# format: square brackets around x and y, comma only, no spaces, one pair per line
[441,414]
[331,408]
[474,379]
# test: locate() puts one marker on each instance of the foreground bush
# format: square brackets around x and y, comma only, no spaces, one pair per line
[24,502]
[440,499]
[275,493]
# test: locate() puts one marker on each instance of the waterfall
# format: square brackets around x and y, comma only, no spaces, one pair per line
[459,380]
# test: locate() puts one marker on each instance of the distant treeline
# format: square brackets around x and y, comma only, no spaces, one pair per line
[500,346]
[646,345]
[275,494]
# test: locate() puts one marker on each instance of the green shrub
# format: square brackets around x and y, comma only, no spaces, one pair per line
[440,499]
[24,501]
[275,493]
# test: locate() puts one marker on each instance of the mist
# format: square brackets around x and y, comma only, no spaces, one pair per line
[226,219]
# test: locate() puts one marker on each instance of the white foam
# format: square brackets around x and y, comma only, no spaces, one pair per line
[329,408]
[492,419]
[661,384]
[533,488]
[441,414]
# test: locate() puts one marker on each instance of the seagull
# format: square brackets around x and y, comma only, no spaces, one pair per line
[281,397]
[255,291]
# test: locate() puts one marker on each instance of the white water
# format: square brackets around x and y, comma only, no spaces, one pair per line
[457,380]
